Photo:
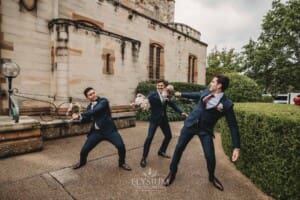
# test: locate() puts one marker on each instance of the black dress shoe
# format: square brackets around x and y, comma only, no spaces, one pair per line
[169,179]
[143,162]
[78,165]
[216,183]
[164,155]
[125,167]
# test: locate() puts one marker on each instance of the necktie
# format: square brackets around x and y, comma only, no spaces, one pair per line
[207,98]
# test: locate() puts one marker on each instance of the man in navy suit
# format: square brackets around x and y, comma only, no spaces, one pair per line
[159,118]
[103,128]
[213,104]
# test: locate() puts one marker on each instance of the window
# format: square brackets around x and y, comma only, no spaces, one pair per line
[192,69]
[108,59]
[156,66]
[107,63]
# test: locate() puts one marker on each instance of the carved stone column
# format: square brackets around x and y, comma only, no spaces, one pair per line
[60,61]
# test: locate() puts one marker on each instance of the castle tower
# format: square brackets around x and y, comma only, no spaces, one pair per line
[161,10]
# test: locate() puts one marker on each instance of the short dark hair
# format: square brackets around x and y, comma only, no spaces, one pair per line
[224,80]
[86,90]
[162,81]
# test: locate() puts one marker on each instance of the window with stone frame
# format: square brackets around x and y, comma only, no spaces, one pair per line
[156,62]
[108,58]
[192,69]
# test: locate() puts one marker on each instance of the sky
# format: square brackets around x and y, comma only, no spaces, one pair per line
[223,23]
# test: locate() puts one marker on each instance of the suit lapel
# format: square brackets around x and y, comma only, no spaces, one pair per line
[93,106]
[226,102]
[203,95]
[158,97]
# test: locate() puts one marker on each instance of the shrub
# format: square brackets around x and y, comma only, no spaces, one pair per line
[270,139]
[242,89]
[145,87]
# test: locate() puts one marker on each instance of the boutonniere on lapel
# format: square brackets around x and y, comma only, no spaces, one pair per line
[220,107]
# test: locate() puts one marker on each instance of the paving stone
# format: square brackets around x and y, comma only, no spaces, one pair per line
[48,174]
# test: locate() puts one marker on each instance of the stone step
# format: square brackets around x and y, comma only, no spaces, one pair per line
[19,138]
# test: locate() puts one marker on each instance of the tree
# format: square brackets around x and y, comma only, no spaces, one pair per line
[274,59]
[221,62]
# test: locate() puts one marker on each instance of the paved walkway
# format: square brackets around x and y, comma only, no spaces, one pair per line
[48,174]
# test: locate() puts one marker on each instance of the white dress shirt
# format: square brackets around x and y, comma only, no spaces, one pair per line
[213,102]
[92,107]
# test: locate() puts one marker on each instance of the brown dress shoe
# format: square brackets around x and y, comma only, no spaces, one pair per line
[78,165]
[125,167]
[143,162]
[169,179]
[164,155]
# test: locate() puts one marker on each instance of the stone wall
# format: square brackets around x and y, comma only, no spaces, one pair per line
[161,10]
[62,61]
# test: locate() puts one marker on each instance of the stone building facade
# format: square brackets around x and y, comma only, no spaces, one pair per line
[63,46]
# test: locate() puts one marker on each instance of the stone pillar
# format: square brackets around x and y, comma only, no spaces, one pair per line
[171,11]
[7,45]
[60,62]
[1,79]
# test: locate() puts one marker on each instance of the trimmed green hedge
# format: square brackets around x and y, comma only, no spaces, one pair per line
[146,87]
[270,146]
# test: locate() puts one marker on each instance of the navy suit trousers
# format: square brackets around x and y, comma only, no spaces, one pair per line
[165,127]
[207,145]
[95,137]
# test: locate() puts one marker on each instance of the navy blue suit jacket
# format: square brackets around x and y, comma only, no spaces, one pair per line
[100,114]
[206,119]
[158,109]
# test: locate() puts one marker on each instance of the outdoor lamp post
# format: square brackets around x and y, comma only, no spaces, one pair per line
[10,70]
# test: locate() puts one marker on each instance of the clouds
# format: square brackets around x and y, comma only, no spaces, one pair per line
[223,23]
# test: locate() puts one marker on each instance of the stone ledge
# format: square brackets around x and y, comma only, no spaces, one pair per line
[20,134]
[19,138]
[10,148]
[123,115]
[25,123]
[65,128]
[28,135]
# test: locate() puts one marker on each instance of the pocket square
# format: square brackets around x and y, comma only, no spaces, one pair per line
[220,107]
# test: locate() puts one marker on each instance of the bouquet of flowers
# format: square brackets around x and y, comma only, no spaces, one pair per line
[73,108]
[142,102]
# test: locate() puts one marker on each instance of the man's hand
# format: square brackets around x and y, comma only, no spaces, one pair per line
[235,154]
[75,116]
[184,114]
[177,94]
